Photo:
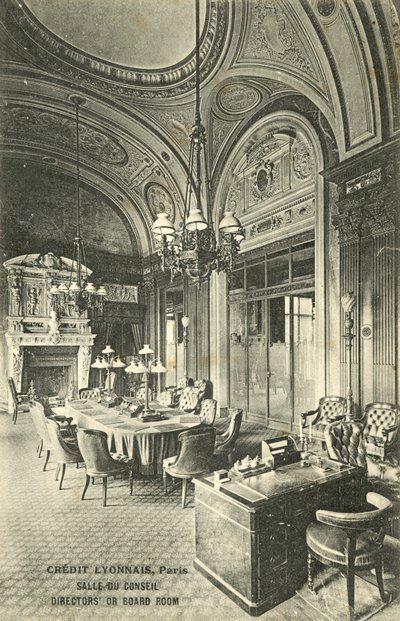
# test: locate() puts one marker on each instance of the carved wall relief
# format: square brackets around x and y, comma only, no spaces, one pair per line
[302,159]
[159,200]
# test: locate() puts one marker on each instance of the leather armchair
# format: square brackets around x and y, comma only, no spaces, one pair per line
[195,457]
[225,443]
[350,541]
[329,410]
[381,429]
[90,393]
[65,452]
[189,399]
[99,462]
[345,443]
[20,401]
[208,411]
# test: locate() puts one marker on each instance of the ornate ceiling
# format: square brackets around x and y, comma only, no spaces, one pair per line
[259,58]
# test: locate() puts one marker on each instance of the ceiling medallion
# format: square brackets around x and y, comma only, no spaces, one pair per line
[326,7]
[238,98]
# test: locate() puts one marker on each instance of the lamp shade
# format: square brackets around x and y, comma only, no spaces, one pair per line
[54,290]
[146,350]
[90,288]
[229,223]
[101,291]
[108,350]
[118,364]
[163,225]
[62,288]
[348,301]
[185,321]
[158,368]
[195,221]
[74,287]
[98,363]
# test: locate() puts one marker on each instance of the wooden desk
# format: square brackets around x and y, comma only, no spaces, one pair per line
[250,535]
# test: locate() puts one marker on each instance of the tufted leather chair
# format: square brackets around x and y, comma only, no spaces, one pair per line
[195,457]
[64,452]
[329,410]
[189,399]
[166,398]
[204,387]
[345,443]
[208,411]
[350,541]
[20,401]
[225,442]
[381,428]
[90,393]
[99,462]
[140,393]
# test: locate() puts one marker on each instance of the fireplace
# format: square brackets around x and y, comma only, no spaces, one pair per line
[52,369]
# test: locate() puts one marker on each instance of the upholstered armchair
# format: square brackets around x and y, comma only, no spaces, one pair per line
[381,429]
[20,401]
[167,398]
[225,443]
[350,541]
[189,399]
[345,443]
[195,457]
[141,392]
[65,452]
[329,410]
[208,411]
[204,387]
[99,462]
[90,393]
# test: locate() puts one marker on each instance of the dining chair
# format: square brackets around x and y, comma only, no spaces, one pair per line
[189,399]
[225,443]
[20,401]
[194,457]
[99,462]
[65,451]
[208,411]
[350,541]
[39,422]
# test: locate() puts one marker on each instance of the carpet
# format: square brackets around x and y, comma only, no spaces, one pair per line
[330,598]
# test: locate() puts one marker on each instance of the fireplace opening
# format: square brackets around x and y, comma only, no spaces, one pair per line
[52,369]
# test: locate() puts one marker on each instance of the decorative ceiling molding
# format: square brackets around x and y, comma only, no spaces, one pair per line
[219,131]
[58,56]
[238,98]
[176,122]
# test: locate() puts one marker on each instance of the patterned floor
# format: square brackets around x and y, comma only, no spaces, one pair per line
[47,531]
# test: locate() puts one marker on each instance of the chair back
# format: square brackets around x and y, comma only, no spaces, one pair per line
[378,418]
[344,443]
[375,519]
[183,382]
[141,392]
[95,452]
[196,451]
[63,452]
[228,440]
[13,390]
[90,393]
[204,387]
[208,411]
[331,408]
[189,399]
[39,422]
[166,398]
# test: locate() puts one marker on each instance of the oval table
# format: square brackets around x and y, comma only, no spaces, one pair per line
[148,442]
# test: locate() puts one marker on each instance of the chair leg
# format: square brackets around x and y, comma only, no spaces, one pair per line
[92,480]
[40,448]
[57,472]
[379,579]
[350,588]
[15,414]
[46,461]
[87,481]
[131,481]
[310,574]
[63,466]
[165,482]
[184,488]
[104,491]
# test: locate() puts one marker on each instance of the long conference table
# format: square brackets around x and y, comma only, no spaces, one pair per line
[148,442]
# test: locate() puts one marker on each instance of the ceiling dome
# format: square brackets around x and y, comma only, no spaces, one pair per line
[124,32]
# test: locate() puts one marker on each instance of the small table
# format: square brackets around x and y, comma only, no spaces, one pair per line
[148,442]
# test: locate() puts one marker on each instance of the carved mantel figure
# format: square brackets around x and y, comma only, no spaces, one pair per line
[32,300]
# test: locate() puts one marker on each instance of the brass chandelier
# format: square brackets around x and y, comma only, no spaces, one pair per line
[79,294]
[193,249]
